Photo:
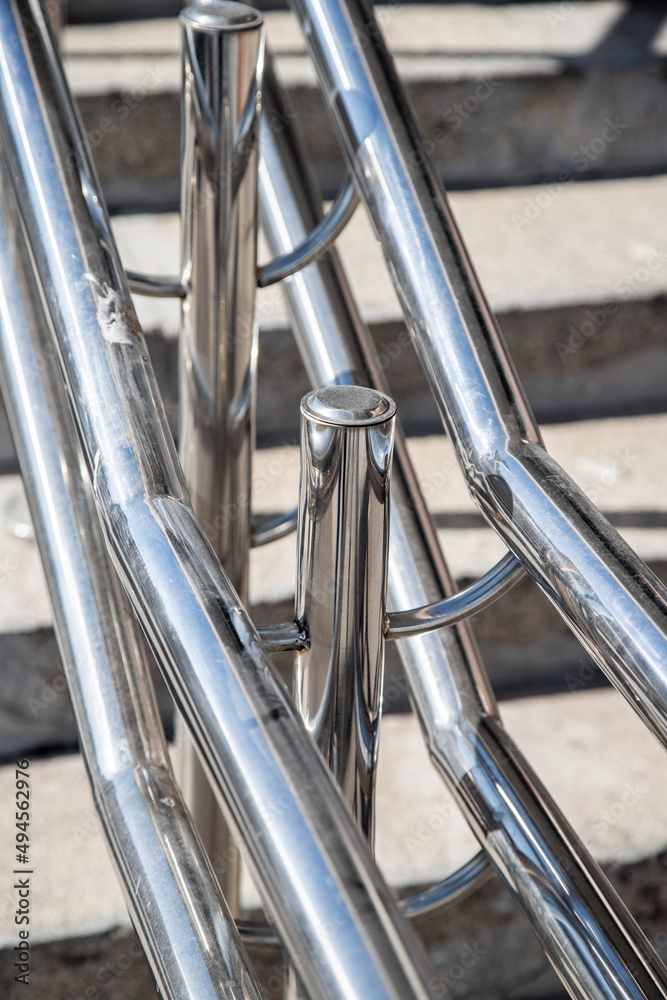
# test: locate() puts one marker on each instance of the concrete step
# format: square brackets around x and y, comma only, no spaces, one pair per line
[505,94]
[80,928]
[575,273]
[524,643]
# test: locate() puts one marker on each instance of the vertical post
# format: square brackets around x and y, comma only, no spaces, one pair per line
[222,58]
[347,435]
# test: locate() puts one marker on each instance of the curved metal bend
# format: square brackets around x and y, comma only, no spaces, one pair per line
[312,248]
[157,286]
[467,879]
[450,610]
[275,528]
[316,244]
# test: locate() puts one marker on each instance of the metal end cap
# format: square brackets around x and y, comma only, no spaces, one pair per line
[221,15]
[348,405]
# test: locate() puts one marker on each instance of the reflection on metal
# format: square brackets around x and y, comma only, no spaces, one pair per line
[222,56]
[347,438]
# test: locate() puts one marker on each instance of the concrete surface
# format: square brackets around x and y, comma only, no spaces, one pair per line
[506,94]
[579,287]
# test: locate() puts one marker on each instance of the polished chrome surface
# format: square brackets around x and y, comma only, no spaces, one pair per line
[612,601]
[332,911]
[316,244]
[176,906]
[347,437]
[222,57]
[222,45]
[274,528]
[590,937]
[455,608]
[157,286]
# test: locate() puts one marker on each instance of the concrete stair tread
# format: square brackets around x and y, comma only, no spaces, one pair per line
[530,29]
[552,79]
[539,247]
[574,271]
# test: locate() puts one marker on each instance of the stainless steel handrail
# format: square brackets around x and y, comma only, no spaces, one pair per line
[603,590]
[342,931]
[334,915]
[180,915]
[567,899]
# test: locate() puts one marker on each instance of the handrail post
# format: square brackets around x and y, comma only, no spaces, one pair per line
[347,443]
[222,46]
[347,436]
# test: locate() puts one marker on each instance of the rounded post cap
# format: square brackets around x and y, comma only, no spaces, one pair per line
[348,405]
[221,15]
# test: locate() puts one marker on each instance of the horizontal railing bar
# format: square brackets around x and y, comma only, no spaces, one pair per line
[283,638]
[459,606]
[157,286]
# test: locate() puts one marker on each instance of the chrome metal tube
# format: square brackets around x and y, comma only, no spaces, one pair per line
[347,438]
[182,920]
[592,940]
[222,60]
[332,910]
[612,601]
[222,46]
